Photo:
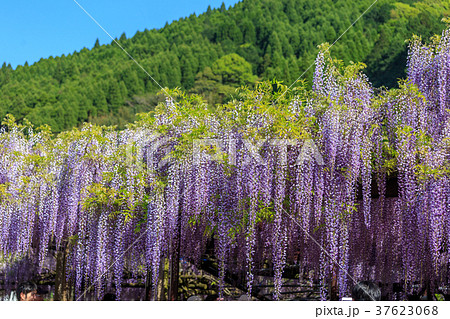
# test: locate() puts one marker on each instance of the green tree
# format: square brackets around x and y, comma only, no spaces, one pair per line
[234,70]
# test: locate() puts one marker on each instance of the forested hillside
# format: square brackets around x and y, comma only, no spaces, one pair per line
[212,54]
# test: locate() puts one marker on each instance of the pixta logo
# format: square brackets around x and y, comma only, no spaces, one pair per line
[221,148]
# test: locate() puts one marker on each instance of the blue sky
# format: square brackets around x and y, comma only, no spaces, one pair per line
[35,29]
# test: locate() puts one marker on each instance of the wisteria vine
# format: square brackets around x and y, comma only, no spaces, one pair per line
[264,181]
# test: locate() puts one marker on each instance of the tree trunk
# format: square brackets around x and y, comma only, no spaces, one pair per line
[175,254]
[62,288]
[334,296]
[175,263]
[148,286]
[160,293]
